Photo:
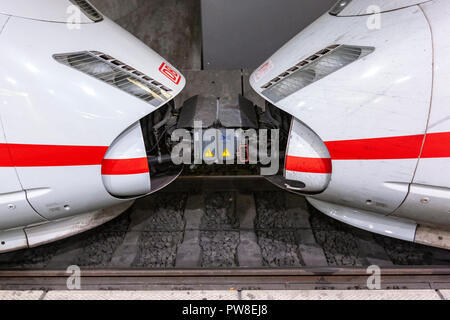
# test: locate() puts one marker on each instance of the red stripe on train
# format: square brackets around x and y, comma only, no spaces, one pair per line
[124,166]
[437,145]
[308,165]
[407,147]
[5,157]
[31,155]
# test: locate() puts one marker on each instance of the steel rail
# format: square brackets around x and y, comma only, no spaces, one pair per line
[433,277]
[237,272]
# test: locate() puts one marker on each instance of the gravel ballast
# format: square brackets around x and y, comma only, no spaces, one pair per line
[286,233]
[100,244]
[340,246]
[162,230]
[218,241]
[276,230]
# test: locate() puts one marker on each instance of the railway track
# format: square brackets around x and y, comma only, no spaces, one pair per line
[326,278]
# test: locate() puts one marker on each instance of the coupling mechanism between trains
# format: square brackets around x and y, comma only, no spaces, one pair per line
[209,130]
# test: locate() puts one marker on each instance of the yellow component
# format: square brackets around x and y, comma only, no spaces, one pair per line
[165,94]
[226,153]
[145,88]
[209,154]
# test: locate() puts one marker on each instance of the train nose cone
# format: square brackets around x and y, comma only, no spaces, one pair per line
[125,169]
[307,160]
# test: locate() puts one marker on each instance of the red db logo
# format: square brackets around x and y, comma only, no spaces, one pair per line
[170,73]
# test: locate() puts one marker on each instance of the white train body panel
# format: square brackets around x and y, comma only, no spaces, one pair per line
[429,198]
[57,123]
[388,148]
[362,219]
[364,7]
[89,113]
[43,10]
[364,102]
[10,181]
[16,211]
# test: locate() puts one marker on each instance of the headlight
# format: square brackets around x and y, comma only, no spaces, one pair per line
[117,74]
[314,68]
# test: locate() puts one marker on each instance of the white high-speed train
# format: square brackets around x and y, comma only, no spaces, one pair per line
[367,86]
[86,110]
[79,99]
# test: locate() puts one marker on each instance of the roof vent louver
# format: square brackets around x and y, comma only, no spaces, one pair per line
[88,10]
[117,74]
[312,69]
[339,6]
